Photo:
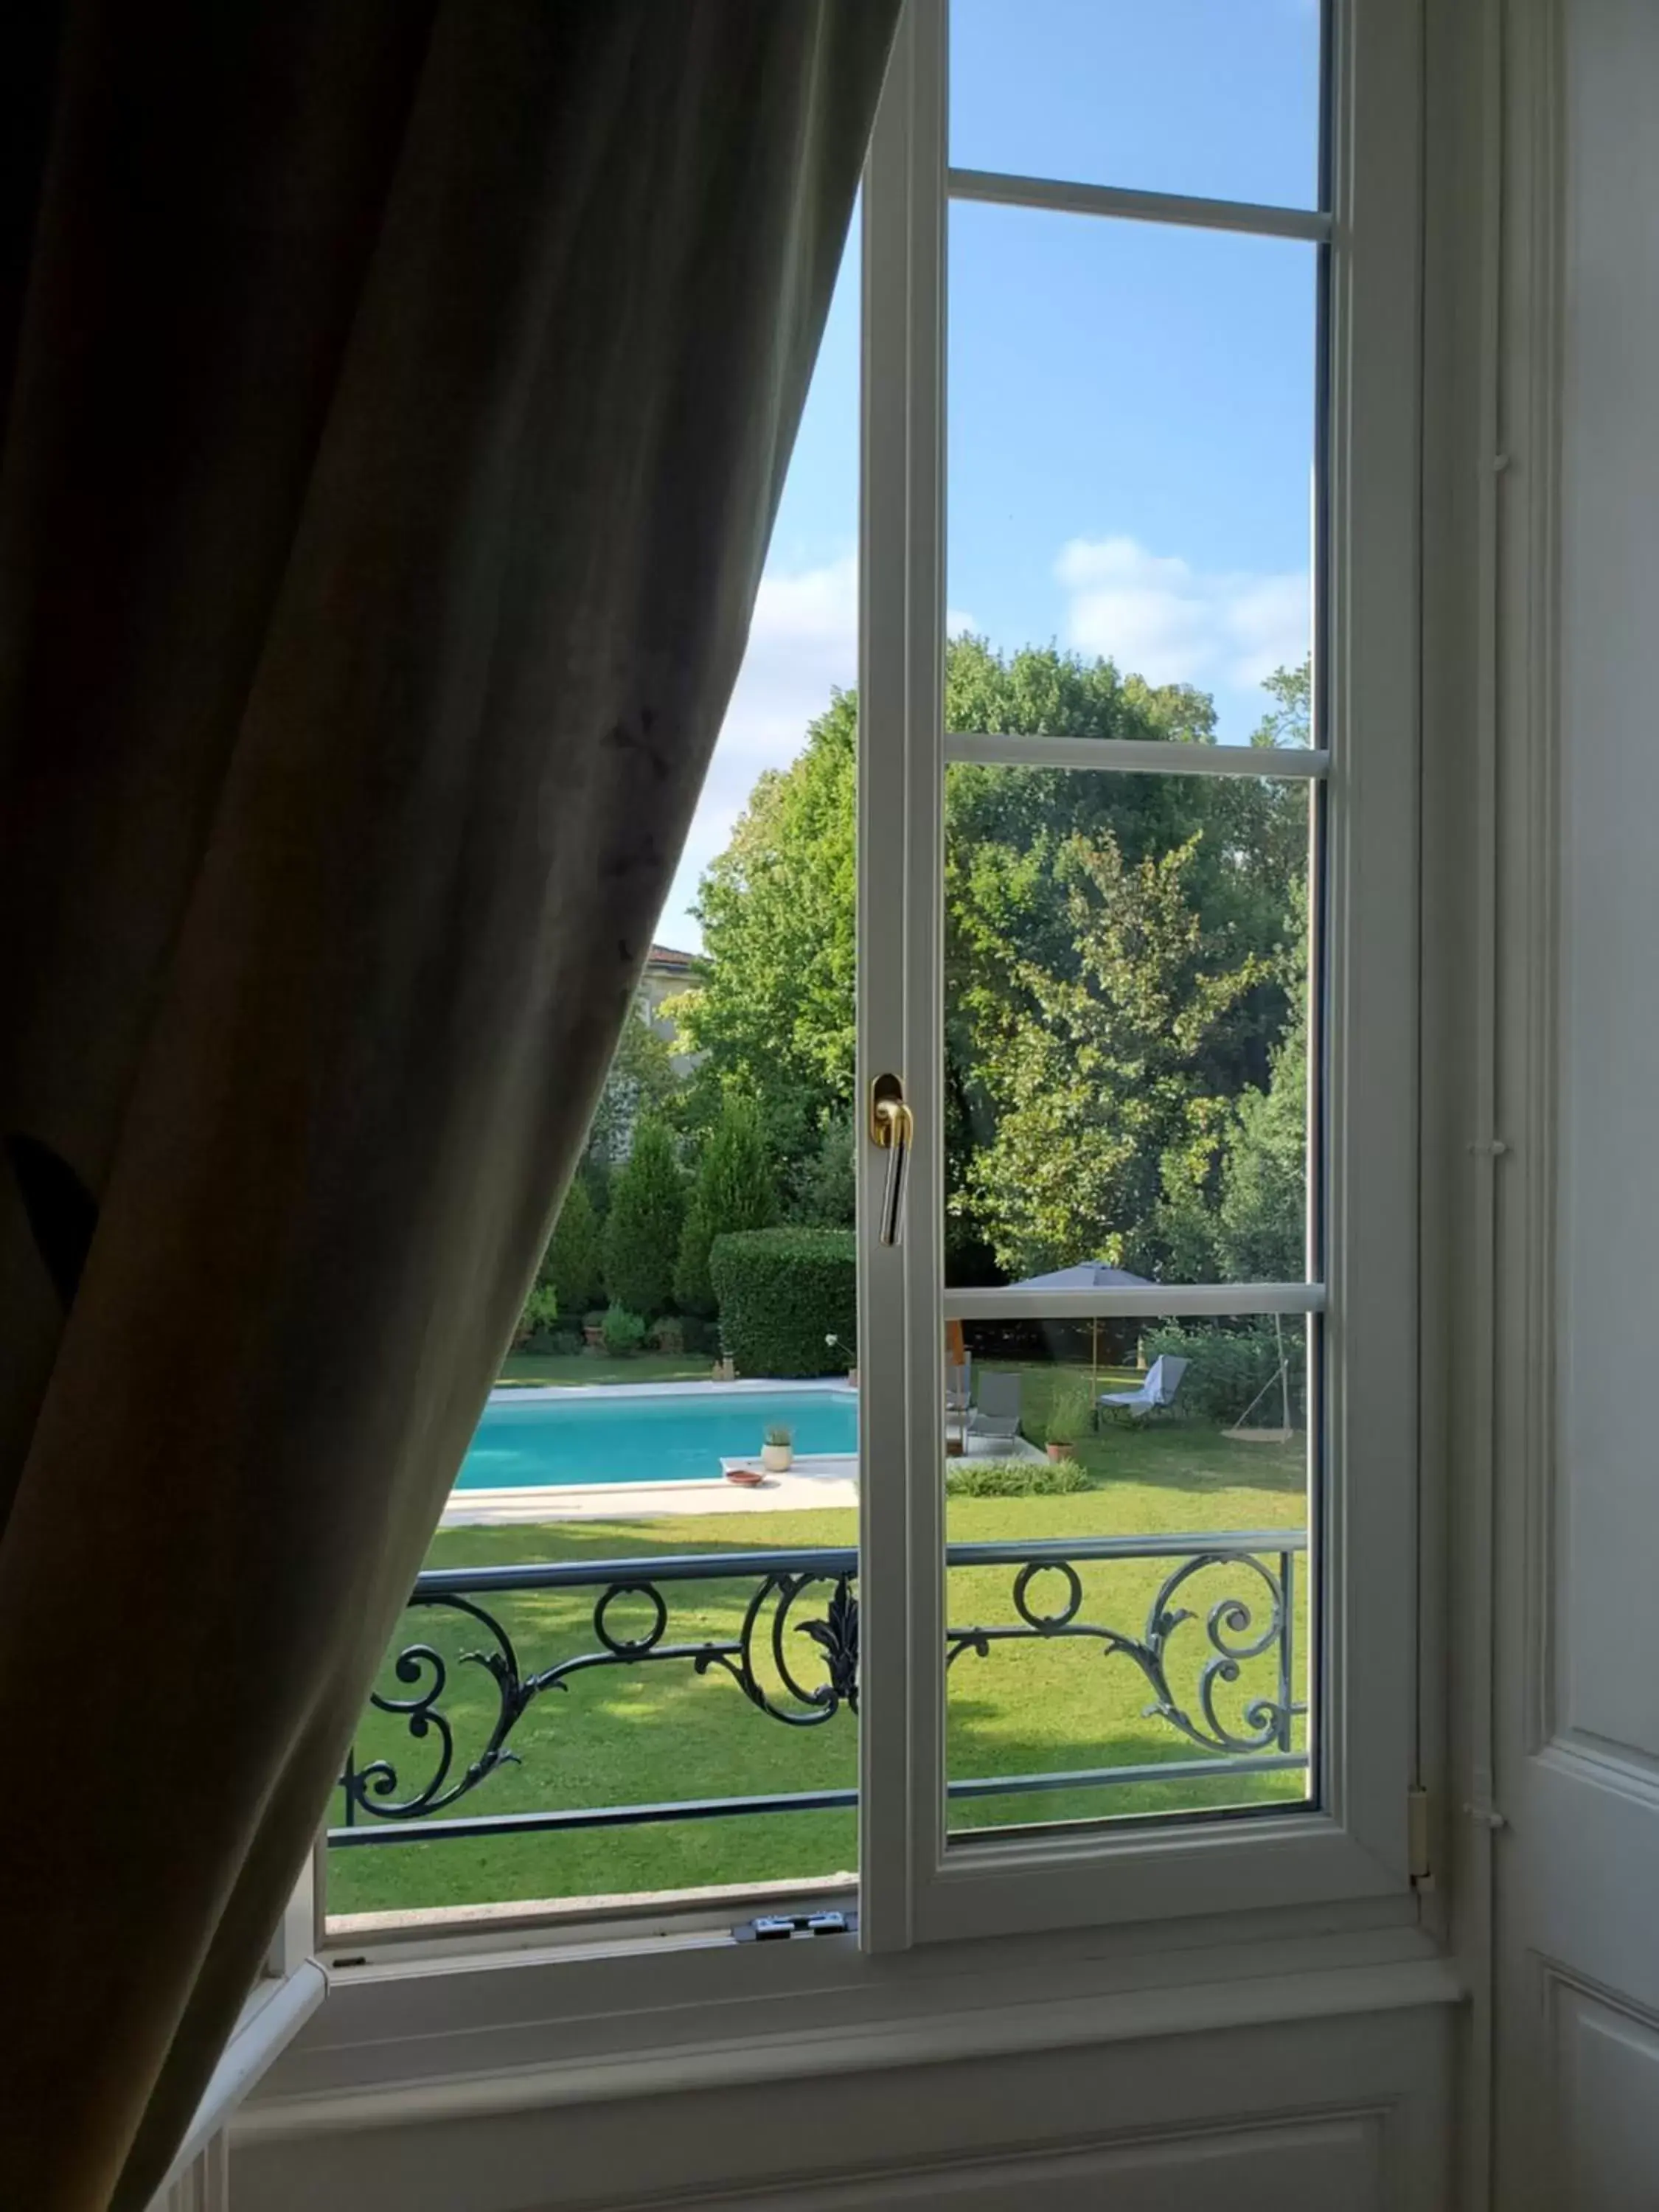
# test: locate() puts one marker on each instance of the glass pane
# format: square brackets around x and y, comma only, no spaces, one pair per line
[586,1726]
[1132,443]
[1126,1028]
[1215,98]
[1126,1511]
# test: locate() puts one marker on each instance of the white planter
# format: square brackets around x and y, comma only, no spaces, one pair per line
[777,1459]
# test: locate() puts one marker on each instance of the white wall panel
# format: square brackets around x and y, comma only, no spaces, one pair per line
[1347,2113]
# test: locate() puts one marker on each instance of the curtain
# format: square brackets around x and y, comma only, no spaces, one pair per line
[396,400]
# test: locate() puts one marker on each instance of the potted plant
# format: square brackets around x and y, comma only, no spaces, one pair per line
[778,1451]
[593,1329]
[1069,1409]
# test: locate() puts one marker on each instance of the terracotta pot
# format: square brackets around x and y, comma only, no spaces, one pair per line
[1058,1452]
[746,1477]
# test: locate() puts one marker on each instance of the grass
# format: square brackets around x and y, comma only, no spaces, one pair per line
[658,1731]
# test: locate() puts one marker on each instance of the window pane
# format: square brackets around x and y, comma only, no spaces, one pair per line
[1132,440]
[590,1728]
[1214,97]
[1126,1065]
[1126,1509]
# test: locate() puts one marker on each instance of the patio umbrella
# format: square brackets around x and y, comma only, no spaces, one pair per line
[1087,1275]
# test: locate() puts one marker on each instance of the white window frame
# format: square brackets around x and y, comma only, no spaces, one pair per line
[291,1985]
[1352,1845]
[517,2012]
[1351,1842]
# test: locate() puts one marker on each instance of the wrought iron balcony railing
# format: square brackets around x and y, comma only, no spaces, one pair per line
[794,1656]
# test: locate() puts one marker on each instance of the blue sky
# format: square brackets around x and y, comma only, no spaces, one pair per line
[1131,405]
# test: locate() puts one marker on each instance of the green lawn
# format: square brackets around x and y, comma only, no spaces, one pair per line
[659,1731]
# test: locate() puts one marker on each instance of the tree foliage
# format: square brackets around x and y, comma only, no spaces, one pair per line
[1098,1063]
[1123,971]
[642,1229]
[733,1190]
[572,1266]
[640,1083]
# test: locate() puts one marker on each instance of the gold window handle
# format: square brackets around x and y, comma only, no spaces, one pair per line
[891,1128]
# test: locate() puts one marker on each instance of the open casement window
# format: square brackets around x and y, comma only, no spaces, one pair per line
[1141,956]
[1280,1661]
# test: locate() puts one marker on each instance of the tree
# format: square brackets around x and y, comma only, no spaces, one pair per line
[826,1192]
[641,1082]
[1104,1065]
[772,1012]
[733,1190]
[571,1266]
[642,1229]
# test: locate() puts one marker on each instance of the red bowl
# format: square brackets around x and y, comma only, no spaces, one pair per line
[746,1477]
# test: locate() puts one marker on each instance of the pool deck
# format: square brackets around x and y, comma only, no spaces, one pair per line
[832,1480]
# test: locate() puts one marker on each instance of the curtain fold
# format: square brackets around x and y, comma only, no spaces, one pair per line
[397,398]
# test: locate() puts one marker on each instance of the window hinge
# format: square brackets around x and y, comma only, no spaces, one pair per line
[794,1927]
[1417,1839]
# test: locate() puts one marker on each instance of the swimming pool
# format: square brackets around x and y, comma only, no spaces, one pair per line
[666,1433]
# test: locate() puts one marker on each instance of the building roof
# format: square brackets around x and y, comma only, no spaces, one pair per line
[664,955]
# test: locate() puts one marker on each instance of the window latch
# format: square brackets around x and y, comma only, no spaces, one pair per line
[891,1128]
[795,1927]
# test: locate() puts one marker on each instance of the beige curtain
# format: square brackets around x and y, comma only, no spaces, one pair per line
[396,400]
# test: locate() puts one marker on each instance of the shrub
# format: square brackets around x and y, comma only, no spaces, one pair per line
[565,1343]
[733,1191]
[1070,1410]
[624,1331]
[782,1293]
[1230,1367]
[1014,1478]
[697,1335]
[642,1229]
[541,1310]
[571,1265]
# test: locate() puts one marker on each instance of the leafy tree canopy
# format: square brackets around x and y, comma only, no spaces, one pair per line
[1083,913]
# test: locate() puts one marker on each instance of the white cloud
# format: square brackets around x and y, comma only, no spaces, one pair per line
[1158,617]
[803,642]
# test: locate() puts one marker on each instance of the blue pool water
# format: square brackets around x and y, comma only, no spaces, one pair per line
[635,1436]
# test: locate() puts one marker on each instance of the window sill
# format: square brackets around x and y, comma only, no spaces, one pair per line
[434,2037]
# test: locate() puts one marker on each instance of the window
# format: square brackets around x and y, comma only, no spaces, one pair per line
[1137,943]
[1093,1596]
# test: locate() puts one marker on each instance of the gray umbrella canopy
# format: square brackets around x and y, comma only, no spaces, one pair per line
[1087,1275]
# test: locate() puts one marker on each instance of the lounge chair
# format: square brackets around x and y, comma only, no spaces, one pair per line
[959,1396]
[1156,1395]
[996,1414]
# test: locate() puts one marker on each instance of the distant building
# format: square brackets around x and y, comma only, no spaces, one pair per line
[667,973]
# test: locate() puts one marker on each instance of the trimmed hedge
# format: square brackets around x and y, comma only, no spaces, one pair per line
[1014,1478]
[781,1292]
